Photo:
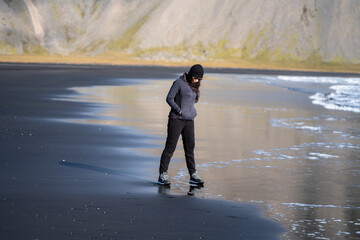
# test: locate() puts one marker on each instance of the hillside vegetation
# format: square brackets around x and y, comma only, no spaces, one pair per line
[280,33]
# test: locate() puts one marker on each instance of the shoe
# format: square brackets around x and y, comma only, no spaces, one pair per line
[164,179]
[194,188]
[195,179]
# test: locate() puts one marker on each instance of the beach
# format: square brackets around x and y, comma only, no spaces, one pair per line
[63,180]
[81,144]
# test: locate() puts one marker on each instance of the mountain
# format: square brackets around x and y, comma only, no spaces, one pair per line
[274,31]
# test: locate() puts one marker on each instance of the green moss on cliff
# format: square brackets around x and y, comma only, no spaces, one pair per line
[7,48]
[200,50]
[33,49]
[315,57]
[338,59]
[221,49]
[252,42]
[56,12]
[80,10]
[128,38]
[95,7]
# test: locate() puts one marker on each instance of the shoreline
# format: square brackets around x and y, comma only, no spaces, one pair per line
[80,199]
[230,181]
[184,67]
[122,60]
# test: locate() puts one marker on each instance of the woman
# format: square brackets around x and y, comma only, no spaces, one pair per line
[183,94]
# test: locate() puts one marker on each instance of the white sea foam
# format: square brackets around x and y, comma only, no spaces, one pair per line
[340,232]
[344,97]
[310,128]
[330,119]
[313,79]
[293,123]
[323,155]
[262,152]
[337,101]
[337,132]
[345,94]
[310,205]
[287,156]
[322,220]
[316,205]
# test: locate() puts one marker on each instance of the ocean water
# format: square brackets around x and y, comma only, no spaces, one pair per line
[304,133]
[339,93]
[290,144]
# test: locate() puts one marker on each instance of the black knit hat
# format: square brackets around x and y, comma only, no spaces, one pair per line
[196,71]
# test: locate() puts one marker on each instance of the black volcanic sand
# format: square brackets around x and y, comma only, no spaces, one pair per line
[62,180]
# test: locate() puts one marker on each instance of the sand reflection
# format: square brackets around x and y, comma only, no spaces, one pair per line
[254,143]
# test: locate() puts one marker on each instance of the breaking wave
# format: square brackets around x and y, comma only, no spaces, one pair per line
[344,95]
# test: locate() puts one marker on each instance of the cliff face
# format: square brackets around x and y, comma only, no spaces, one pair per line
[280,30]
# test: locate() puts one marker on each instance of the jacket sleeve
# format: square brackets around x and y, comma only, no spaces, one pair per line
[175,88]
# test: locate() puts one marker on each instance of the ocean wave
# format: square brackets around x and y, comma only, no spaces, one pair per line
[345,94]
[342,99]
[323,155]
[296,123]
[317,205]
[330,80]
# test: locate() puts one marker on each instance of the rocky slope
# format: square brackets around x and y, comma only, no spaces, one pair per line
[280,30]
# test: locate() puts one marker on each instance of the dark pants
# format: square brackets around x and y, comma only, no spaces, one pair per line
[175,128]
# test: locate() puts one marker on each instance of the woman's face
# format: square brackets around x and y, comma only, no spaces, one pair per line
[195,80]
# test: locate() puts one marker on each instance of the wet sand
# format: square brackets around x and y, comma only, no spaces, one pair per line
[259,140]
[62,179]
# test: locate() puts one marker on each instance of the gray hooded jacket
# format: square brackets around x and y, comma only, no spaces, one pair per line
[181,98]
